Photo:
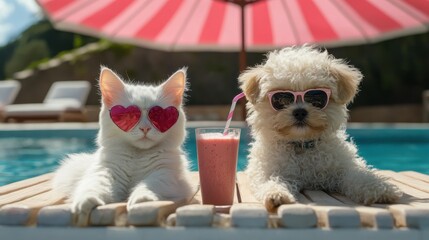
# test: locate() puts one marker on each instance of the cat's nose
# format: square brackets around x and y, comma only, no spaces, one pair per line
[145,130]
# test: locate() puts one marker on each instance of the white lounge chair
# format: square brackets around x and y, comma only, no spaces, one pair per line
[8,91]
[64,101]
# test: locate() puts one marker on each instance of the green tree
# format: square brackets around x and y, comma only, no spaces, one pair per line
[26,54]
[55,41]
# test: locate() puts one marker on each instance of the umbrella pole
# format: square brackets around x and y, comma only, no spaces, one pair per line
[242,102]
[242,56]
[242,4]
[243,39]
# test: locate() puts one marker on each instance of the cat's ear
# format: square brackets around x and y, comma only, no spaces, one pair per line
[175,86]
[111,86]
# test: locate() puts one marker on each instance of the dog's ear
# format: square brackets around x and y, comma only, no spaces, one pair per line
[249,83]
[348,79]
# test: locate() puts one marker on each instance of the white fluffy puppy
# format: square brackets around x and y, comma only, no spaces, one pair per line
[297,113]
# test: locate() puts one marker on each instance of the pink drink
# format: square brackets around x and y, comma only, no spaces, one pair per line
[217,163]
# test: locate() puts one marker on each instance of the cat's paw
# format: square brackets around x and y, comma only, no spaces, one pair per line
[82,207]
[141,197]
[275,199]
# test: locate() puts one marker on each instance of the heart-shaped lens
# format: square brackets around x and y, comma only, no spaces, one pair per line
[125,117]
[163,119]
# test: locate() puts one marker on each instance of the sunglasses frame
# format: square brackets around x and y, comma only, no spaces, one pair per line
[327,91]
[160,126]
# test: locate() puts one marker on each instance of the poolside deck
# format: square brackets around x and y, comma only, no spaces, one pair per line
[32,204]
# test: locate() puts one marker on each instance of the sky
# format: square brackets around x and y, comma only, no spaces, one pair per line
[16,16]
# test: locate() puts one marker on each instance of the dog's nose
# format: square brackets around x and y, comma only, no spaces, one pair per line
[300,114]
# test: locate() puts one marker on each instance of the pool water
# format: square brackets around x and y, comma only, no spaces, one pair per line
[394,149]
[25,154]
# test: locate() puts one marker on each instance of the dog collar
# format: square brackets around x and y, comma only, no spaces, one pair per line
[300,146]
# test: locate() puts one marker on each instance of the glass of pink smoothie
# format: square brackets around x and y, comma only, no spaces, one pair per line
[217,163]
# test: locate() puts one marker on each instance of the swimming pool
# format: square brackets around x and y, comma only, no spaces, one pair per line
[28,153]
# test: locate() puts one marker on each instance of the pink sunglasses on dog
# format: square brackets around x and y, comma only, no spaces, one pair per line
[281,99]
[126,118]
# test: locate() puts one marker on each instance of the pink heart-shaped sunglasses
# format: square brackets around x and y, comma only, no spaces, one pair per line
[126,118]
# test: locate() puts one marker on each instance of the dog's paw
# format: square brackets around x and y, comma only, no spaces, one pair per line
[273,200]
[139,197]
[389,194]
[384,193]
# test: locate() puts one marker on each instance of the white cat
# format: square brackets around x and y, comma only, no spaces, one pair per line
[139,157]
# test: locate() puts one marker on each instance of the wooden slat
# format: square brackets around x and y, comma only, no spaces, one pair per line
[245,191]
[372,217]
[416,175]
[375,217]
[221,220]
[248,197]
[337,217]
[25,193]
[369,216]
[57,215]
[152,213]
[332,212]
[415,183]
[25,183]
[22,202]
[195,215]
[25,212]
[345,200]
[249,215]
[171,220]
[297,216]
[322,199]
[410,193]
[302,199]
[113,214]
[195,178]
[408,216]
[43,199]
[412,210]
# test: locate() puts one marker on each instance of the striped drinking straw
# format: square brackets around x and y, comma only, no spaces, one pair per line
[231,112]
[228,122]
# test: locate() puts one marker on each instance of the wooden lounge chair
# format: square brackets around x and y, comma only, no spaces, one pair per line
[64,101]
[31,210]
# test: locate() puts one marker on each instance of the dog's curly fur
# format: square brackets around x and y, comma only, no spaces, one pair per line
[279,170]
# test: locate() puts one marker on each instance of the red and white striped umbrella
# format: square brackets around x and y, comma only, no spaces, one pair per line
[182,25]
